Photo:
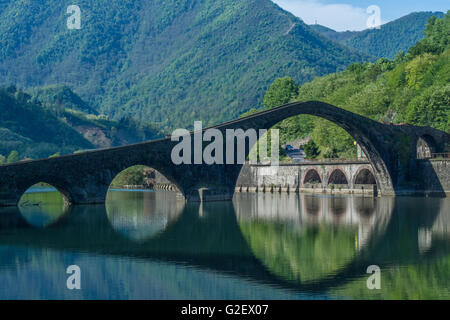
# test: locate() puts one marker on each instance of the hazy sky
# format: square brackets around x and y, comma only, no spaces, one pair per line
[344,15]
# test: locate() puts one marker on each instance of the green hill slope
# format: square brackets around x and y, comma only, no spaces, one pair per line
[386,42]
[32,130]
[52,121]
[168,62]
[412,88]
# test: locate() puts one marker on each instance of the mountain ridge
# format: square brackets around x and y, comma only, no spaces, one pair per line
[168,62]
[382,43]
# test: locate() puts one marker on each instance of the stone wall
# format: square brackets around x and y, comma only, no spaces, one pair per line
[436,175]
[433,174]
[291,178]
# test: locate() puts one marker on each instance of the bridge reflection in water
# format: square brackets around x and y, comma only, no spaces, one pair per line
[274,246]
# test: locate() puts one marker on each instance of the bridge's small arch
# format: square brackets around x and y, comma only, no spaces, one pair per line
[337,177]
[42,204]
[359,129]
[364,176]
[141,177]
[426,146]
[312,176]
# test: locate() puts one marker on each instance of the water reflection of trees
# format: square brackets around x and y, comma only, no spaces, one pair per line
[311,238]
[320,252]
[300,255]
[412,269]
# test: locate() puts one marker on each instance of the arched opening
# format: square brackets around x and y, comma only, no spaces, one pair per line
[135,177]
[312,177]
[42,205]
[350,129]
[365,176]
[142,177]
[337,177]
[426,146]
[141,202]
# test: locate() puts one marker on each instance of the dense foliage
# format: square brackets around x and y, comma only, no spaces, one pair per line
[300,255]
[32,130]
[413,88]
[169,62]
[386,42]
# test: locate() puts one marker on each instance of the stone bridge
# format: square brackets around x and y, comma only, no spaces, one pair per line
[85,178]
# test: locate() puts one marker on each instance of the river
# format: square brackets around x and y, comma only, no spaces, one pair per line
[153,245]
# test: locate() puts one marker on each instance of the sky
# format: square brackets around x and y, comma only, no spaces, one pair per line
[342,15]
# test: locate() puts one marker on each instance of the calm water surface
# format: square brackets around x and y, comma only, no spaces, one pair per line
[151,245]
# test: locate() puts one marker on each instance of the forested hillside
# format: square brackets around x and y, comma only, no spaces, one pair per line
[166,62]
[51,121]
[387,41]
[413,88]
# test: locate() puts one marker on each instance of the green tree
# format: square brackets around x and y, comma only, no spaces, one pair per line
[412,88]
[311,150]
[416,69]
[13,157]
[432,108]
[2,159]
[249,112]
[280,92]
[331,153]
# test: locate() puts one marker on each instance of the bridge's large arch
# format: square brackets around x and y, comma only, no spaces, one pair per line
[369,134]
